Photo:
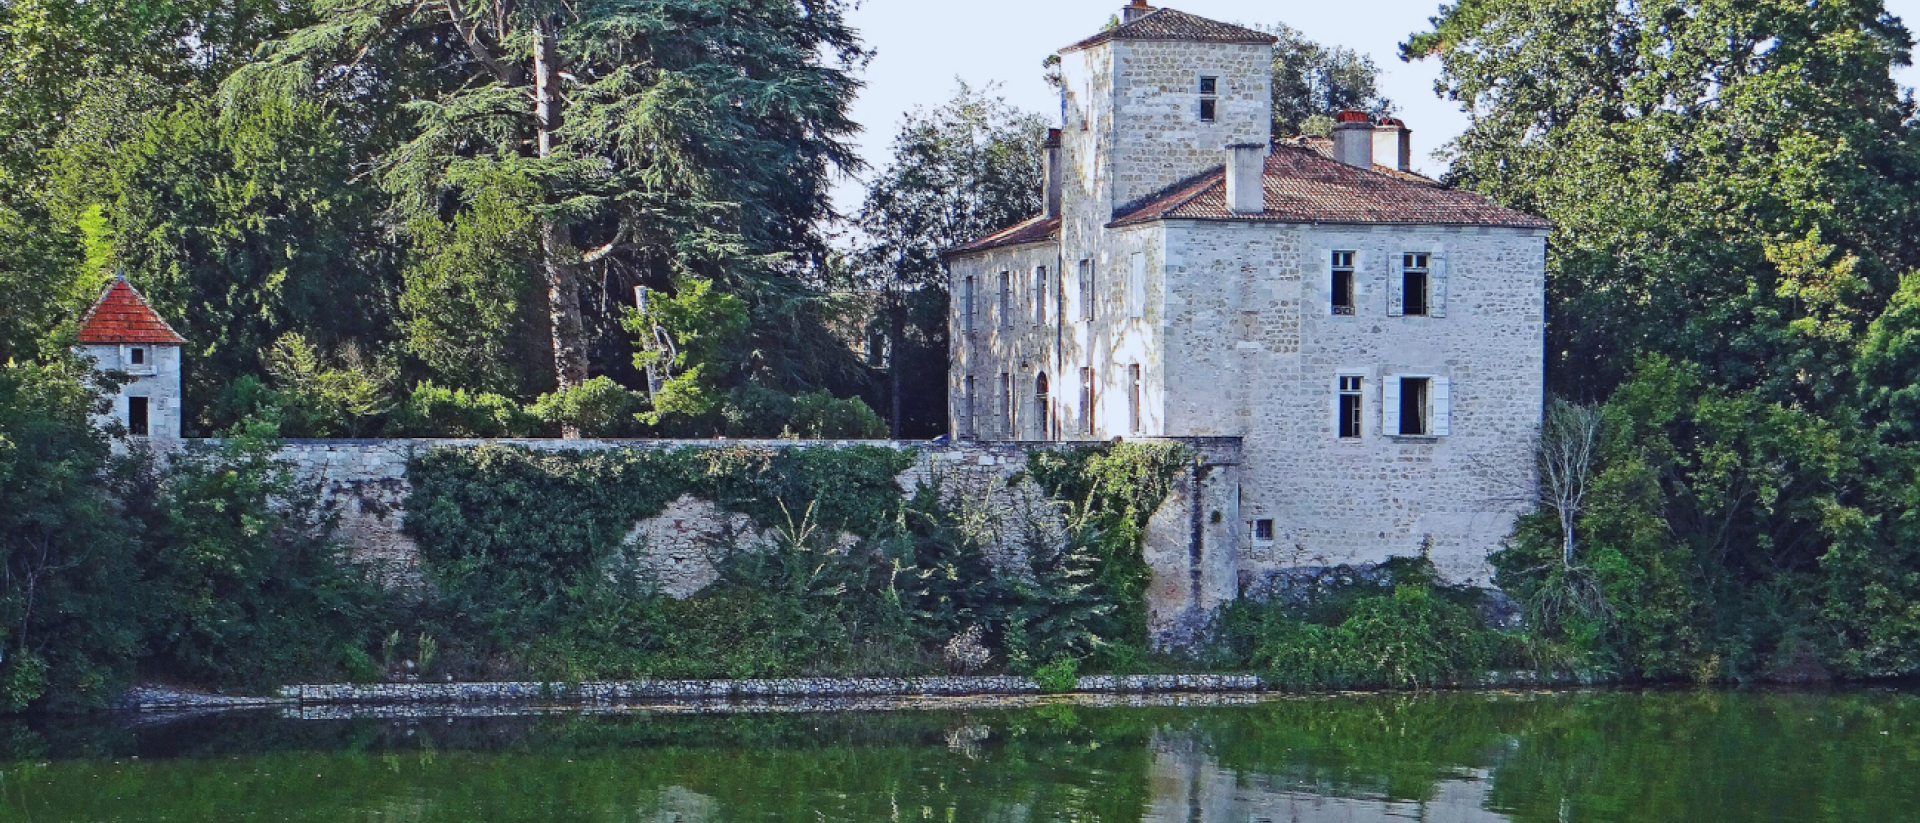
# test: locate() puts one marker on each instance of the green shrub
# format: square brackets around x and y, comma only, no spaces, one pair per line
[596,408]
[1059,677]
[821,416]
[433,411]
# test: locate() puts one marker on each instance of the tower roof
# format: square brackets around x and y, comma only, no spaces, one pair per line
[1173,24]
[123,316]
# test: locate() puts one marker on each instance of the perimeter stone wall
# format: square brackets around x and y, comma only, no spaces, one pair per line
[1194,559]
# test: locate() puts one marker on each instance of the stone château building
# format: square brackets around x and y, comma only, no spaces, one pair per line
[123,335]
[1374,339]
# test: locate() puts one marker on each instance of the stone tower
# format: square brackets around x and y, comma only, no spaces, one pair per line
[123,334]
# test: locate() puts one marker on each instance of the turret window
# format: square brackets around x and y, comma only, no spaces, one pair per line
[139,423]
[1209,99]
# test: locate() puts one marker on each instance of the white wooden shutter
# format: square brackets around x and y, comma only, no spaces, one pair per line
[1390,405]
[1437,284]
[1137,286]
[1396,290]
[1440,418]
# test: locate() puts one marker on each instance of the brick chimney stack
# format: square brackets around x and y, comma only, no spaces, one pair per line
[1136,11]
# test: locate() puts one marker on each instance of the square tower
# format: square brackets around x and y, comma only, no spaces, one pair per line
[123,334]
[1159,99]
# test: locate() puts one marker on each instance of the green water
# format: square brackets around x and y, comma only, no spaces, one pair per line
[1453,758]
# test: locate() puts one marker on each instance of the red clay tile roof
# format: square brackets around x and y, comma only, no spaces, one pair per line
[123,316]
[1035,230]
[1304,186]
[1172,24]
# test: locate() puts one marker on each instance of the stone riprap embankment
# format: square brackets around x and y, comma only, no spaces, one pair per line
[615,692]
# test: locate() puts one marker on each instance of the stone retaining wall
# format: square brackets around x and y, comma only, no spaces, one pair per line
[747,689]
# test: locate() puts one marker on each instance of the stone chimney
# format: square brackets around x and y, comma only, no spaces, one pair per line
[1353,139]
[1393,144]
[1246,178]
[1136,11]
[1050,189]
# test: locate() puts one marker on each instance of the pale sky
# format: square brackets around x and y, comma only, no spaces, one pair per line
[923,47]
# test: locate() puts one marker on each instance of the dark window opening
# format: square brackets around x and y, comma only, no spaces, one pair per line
[1343,283]
[1006,299]
[1263,531]
[1350,406]
[137,418]
[1414,392]
[1414,284]
[1086,401]
[1043,407]
[1209,110]
[138,356]
[1209,85]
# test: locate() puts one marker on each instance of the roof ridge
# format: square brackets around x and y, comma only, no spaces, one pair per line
[1174,24]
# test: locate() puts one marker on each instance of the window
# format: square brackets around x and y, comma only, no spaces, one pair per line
[1209,86]
[1415,268]
[1137,287]
[1343,283]
[1006,405]
[1086,401]
[1209,104]
[1133,399]
[1040,296]
[966,408]
[1350,406]
[1006,298]
[1414,395]
[1086,290]
[1043,407]
[1209,110]
[1263,531]
[138,423]
[967,300]
[137,356]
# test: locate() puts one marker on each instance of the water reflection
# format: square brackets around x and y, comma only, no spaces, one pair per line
[1467,758]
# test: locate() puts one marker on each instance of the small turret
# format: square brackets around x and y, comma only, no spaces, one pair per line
[123,334]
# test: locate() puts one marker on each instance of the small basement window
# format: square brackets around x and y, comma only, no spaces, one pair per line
[139,423]
[1263,531]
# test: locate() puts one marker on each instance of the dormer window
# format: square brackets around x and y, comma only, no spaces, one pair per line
[1209,99]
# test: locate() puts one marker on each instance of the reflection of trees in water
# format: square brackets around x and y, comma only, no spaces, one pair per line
[1458,758]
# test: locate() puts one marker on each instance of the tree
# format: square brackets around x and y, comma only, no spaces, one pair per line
[662,139]
[1312,83]
[959,172]
[1568,452]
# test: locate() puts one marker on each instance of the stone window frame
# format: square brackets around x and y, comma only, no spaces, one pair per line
[1039,290]
[1209,108]
[969,301]
[1006,298]
[1334,267]
[1088,292]
[1357,391]
[1439,406]
[1437,281]
[1259,525]
[147,367]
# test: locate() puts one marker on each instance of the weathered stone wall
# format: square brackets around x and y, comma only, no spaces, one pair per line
[158,380]
[1253,301]
[365,482]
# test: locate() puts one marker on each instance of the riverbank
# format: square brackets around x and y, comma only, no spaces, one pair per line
[151,698]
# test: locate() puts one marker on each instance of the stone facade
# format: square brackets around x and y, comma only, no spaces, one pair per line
[1214,323]
[154,379]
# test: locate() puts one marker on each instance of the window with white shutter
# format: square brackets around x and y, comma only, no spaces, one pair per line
[1440,408]
[1416,406]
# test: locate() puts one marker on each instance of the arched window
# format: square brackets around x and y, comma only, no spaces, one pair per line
[1043,407]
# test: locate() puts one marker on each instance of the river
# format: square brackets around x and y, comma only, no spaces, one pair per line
[1443,758]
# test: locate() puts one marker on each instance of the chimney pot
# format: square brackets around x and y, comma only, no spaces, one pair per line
[1353,139]
[1137,10]
[1246,178]
[1052,172]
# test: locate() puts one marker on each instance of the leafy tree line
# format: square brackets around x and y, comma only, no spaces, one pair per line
[1732,283]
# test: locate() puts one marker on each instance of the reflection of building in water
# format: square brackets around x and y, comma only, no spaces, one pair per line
[1189,786]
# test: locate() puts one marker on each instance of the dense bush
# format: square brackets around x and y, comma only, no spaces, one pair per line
[433,411]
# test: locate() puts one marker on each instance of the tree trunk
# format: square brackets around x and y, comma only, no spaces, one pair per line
[558,258]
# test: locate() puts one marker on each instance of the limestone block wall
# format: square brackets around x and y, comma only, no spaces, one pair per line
[1253,301]
[158,380]
[1193,555]
[988,340]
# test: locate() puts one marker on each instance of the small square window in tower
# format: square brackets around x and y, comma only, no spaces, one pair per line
[1351,402]
[1415,271]
[1342,285]
[1209,101]
[139,423]
[137,356]
[1263,531]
